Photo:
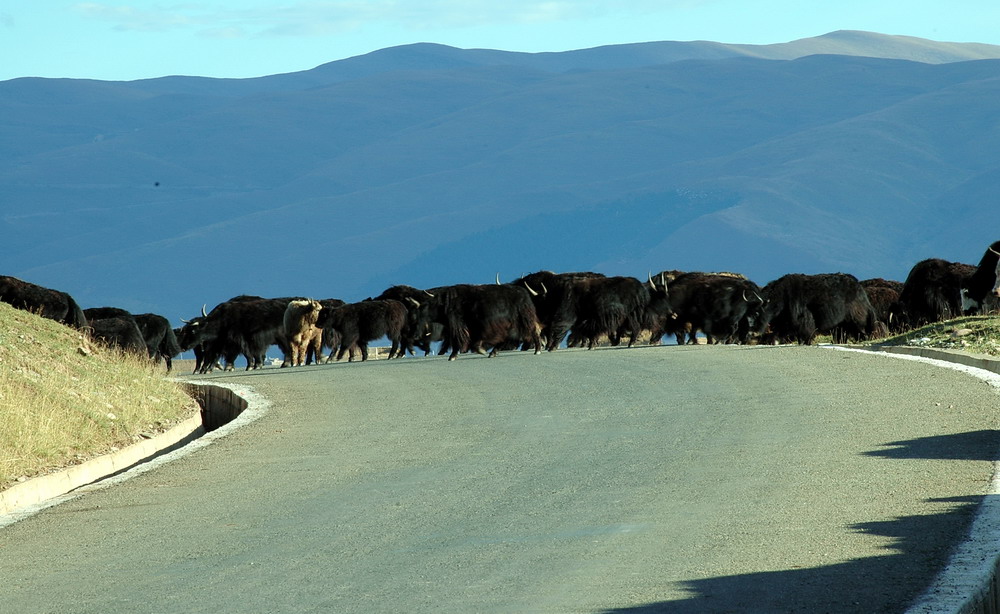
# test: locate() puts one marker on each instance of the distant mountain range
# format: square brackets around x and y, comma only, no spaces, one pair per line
[427,165]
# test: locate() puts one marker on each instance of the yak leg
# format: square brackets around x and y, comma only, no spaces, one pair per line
[555,338]
[536,340]
[344,347]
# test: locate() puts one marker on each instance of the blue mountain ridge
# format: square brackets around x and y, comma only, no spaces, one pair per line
[425,164]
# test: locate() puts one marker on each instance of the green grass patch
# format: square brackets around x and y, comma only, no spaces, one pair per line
[65,398]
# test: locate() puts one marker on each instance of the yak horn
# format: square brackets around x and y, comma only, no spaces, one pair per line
[544,289]
[533,293]
[185,321]
[203,313]
[652,284]
[428,294]
[415,302]
[993,250]
[498,279]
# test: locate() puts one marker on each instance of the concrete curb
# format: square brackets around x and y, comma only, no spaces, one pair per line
[969,583]
[44,487]
[977,361]
[220,406]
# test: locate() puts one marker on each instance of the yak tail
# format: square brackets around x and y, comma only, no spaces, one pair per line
[458,334]
[74,315]
[169,347]
[875,328]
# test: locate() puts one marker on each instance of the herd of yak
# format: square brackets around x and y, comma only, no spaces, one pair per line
[541,310]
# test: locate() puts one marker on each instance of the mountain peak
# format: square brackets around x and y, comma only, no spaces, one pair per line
[887,46]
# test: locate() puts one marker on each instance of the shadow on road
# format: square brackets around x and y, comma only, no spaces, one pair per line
[886,583]
[973,446]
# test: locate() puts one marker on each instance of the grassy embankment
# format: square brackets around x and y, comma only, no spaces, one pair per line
[65,399]
[973,334]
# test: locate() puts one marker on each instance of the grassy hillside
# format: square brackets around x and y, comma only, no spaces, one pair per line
[64,399]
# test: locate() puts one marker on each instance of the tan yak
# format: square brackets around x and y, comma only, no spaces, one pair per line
[301,331]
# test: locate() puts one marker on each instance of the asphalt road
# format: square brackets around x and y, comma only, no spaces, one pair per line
[668,479]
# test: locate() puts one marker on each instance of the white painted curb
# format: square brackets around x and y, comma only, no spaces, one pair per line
[30,497]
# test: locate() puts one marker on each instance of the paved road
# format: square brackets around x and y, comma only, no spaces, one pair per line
[668,479]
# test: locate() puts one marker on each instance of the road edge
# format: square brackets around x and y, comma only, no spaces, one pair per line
[968,584]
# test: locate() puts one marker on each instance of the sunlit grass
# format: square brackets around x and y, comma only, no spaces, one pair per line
[65,398]
[976,334]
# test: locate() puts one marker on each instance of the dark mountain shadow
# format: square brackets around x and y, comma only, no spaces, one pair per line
[920,547]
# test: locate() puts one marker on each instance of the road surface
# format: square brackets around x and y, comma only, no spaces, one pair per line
[669,479]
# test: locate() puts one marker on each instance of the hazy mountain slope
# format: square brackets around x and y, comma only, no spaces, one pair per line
[429,165]
[425,56]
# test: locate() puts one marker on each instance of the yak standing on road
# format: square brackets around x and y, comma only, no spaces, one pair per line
[243,324]
[798,307]
[555,301]
[486,318]
[358,323]
[725,306]
[302,334]
[616,307]
[418,326]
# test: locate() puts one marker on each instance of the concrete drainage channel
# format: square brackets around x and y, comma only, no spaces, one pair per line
[223,409]
[219,406]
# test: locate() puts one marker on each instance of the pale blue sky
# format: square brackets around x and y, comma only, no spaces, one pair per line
[134,39]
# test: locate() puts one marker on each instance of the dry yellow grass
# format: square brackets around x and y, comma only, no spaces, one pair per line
[65,398]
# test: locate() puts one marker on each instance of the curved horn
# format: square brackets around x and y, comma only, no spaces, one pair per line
[185,321]
[990,248]
[663,280]
[415,302]
[498,279]
[544,289]
[428,294]
[203,313]
[533,293]
[745,299]
[652,284]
